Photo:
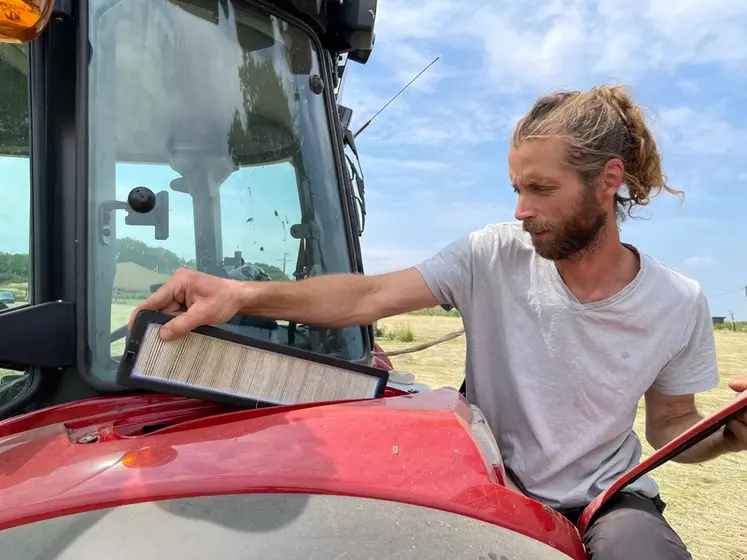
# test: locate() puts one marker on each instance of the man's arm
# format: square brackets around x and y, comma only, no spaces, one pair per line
[337,300]
[332,300]
[667,416]
[670,402]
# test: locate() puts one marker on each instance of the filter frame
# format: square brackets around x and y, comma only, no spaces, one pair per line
[146,318]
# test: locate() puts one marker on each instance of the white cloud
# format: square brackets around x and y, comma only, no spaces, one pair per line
[497,55]
[398,165]
[457,123]
[692,31]
[408,37]
[562,42]
[464,217]
[690,87]
[366,97]
[382,258]
[684,129]
[697,262]
[394,182]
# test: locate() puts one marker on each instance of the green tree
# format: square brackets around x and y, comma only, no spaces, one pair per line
[273,272]
[14,107]
[14,268]
[263,130]
[152,258]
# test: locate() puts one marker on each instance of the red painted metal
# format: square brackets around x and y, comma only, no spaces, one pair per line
[679,444]
[415,449]
[381,361]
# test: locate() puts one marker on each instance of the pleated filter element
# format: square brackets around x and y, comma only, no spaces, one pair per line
[214,364]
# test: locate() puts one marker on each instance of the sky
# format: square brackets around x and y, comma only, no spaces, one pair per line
[435,161]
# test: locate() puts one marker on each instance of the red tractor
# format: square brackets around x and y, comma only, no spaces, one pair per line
[208,133]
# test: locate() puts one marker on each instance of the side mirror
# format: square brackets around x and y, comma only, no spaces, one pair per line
[22,21]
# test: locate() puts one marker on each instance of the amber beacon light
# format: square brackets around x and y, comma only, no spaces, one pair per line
[22,21]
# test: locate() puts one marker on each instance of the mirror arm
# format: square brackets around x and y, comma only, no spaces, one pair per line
[158,217]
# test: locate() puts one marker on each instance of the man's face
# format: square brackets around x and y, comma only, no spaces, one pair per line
[563,215]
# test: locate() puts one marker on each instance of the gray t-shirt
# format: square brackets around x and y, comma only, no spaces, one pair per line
[559,381]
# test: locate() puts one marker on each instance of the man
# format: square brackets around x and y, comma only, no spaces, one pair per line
[567,327]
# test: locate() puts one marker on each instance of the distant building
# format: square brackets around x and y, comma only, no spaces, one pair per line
[718,320]
[133,278]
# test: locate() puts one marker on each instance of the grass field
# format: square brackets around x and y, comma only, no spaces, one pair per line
[706,503]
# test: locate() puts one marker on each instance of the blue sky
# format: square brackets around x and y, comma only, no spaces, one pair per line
[436,160]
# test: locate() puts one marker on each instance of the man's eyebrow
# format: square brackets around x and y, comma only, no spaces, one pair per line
[534,183]
[540,182]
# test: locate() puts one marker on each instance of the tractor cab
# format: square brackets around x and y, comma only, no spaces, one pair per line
[140,136]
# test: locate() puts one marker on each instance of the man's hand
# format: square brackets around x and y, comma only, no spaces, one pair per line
[333,301]
[208,300]
[735,433]
[669,416]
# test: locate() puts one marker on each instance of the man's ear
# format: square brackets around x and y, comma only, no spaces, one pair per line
[612,179]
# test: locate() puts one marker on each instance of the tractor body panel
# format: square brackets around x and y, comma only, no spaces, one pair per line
[409,449]
[270,526]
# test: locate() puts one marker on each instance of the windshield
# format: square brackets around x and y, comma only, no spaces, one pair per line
[15,187]
[213,114]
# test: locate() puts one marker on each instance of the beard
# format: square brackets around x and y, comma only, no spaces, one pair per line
[572,236]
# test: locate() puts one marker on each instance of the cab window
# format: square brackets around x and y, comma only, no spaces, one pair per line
[15,188]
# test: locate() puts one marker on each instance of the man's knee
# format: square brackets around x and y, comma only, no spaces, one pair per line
[625,532]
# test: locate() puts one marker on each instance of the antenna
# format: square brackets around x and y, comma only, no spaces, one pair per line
[361,129]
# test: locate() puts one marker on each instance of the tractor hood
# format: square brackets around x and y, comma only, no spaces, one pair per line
[382,475]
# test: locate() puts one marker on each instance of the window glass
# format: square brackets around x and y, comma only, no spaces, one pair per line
[15,189]
[217,111]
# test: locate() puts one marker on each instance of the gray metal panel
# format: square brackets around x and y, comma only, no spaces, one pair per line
[270,527]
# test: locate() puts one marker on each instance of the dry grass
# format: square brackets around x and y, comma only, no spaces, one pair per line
[706,503]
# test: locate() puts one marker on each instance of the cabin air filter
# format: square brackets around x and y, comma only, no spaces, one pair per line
[213,364]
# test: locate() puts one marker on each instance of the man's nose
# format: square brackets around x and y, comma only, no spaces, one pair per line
[524,210]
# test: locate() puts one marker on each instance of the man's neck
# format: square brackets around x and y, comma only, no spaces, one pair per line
[602,270]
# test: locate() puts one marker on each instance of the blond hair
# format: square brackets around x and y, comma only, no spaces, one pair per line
[599,125]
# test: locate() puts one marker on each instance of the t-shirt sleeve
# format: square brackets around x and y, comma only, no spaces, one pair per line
[448,273]
[695,368]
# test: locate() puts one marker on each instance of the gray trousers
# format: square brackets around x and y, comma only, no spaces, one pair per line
[632,527]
